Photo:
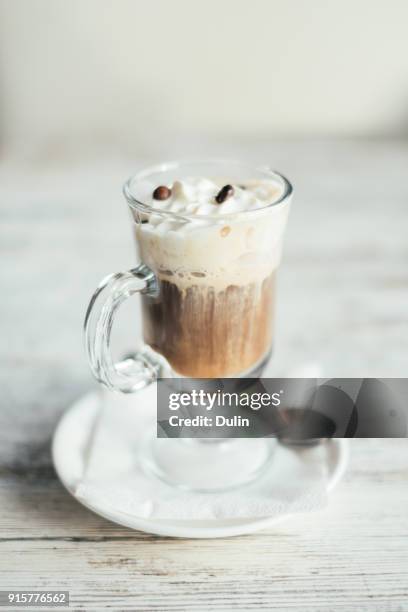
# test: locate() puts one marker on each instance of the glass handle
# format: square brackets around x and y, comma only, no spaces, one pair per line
[133,373]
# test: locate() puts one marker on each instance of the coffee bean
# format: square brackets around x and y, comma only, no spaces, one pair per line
[161,193]
[226,192]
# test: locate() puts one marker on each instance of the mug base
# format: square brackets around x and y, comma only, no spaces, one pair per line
[207,465]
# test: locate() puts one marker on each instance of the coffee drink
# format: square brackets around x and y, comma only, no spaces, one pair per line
[214,247]
[208,249]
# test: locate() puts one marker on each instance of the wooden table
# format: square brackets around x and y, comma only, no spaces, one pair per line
[342,303]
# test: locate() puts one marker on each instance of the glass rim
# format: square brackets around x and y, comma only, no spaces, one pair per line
[139,206]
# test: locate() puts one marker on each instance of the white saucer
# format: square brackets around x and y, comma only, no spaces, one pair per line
[68,452]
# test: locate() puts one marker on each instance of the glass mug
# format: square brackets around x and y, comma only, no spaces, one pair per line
[207,284]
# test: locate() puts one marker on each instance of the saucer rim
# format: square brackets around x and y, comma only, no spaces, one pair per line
[89,405]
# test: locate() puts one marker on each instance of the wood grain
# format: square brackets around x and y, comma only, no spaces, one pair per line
[354,555]
[342,301]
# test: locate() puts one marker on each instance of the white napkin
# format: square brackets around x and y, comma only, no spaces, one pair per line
[113,478]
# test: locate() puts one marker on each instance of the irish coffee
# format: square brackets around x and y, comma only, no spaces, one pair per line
[208,249]
[214,248]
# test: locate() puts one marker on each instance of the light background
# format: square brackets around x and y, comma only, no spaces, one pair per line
[137,76]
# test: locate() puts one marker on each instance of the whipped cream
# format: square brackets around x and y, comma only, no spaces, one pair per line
[197,196]
[205,242]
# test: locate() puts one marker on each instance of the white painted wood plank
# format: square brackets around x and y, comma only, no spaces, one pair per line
[342,302]
[353,555]
[267,571]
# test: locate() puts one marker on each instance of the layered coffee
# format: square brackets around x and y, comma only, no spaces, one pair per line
[214,247]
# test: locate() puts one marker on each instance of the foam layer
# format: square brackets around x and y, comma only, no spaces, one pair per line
[206,243]
[196,196]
